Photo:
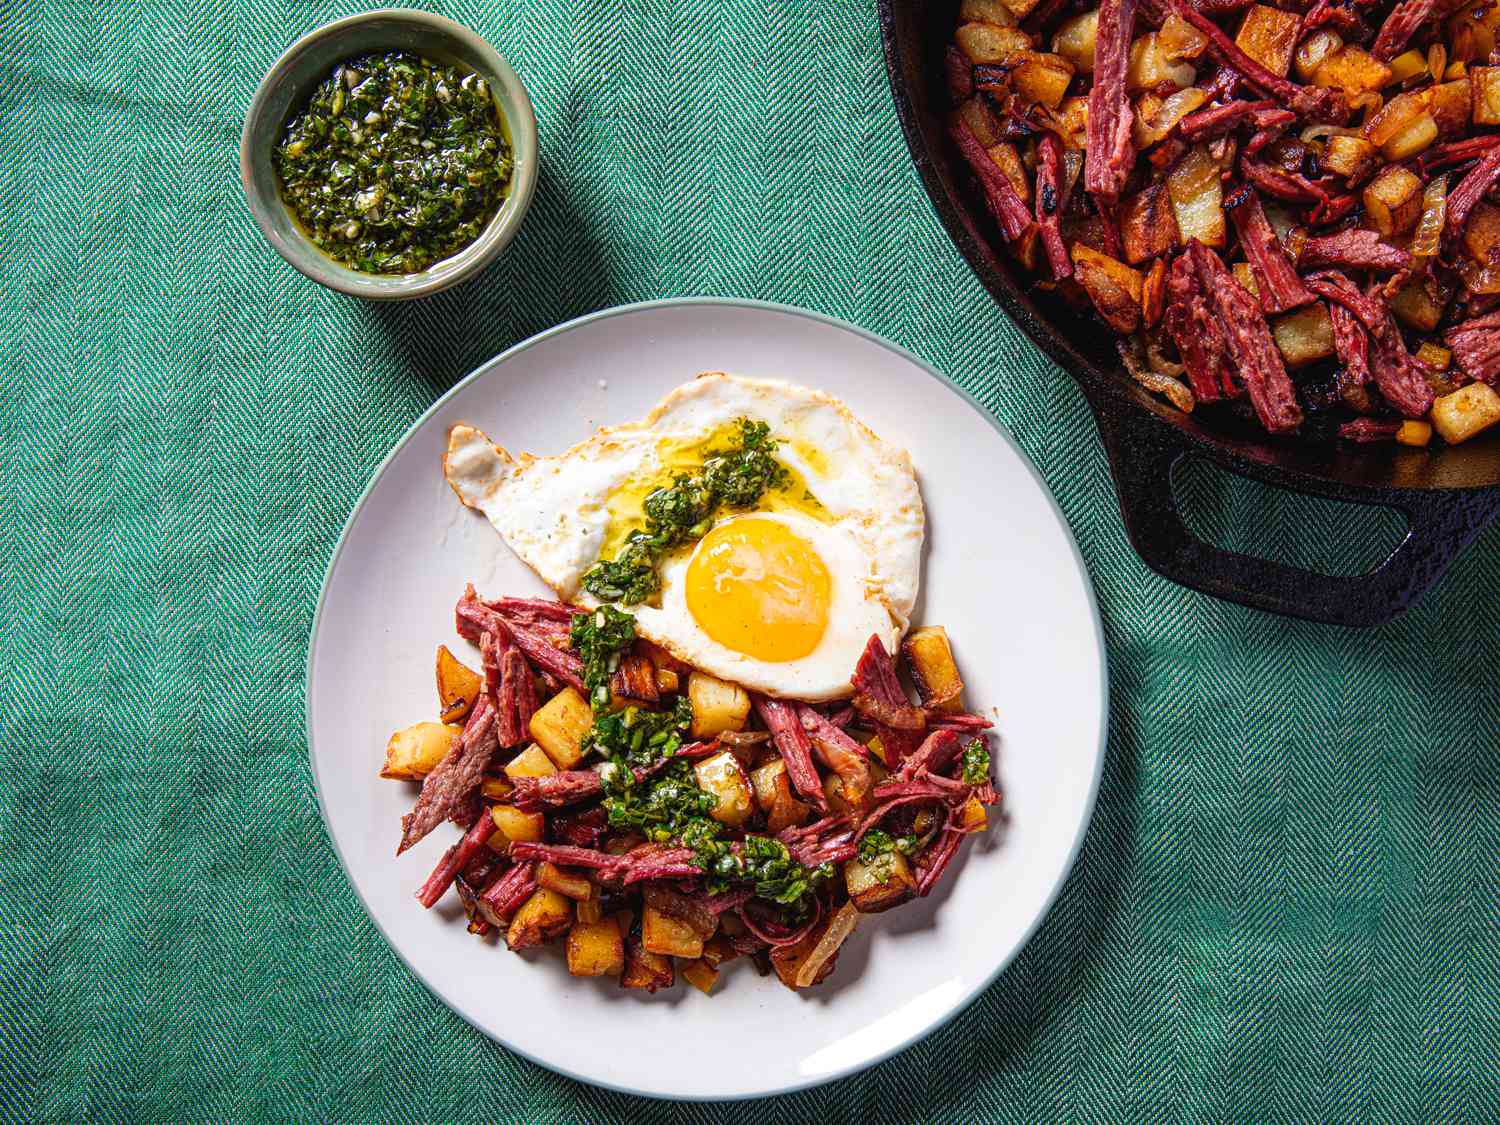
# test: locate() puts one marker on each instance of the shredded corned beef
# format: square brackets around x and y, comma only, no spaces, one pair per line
[473,619]
[504,896]
[1217,120]
[1394,372]
[1476,346]
[1280,287]
[830,840]
[848,760]
[1400,26]
[555,791]
[1353,249]
[1365,430]
[880,699]
[956,720]
[1110,153]
[649,861]
[454,860]
[1197,333]
[1290,187]
[453,781]
[937,752]
[794,746]
[1470,190]
[1353,348]
[1050,202]
[1005,205]
[583,828]
[934,859]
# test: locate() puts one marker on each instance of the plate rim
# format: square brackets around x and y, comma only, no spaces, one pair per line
[921,364]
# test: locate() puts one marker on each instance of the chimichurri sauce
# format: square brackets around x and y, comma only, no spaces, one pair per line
[395,163]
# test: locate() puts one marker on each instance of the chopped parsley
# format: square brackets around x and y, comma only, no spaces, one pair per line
[600,637]
[877,843]
[683,512]
[395,162]
[632,737]
[976,763]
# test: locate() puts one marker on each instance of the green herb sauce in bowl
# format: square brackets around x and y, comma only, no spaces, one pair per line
[395,162]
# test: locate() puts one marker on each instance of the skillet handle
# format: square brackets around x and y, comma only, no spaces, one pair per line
[1143,453]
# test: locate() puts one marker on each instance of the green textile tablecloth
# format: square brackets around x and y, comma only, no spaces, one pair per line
[1288,904]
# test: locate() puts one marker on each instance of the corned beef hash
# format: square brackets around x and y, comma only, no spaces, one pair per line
[1285,210]
[704,748]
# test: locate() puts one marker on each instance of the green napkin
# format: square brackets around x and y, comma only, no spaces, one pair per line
[1286,907]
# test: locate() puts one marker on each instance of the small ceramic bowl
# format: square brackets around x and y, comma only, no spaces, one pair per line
[308,62]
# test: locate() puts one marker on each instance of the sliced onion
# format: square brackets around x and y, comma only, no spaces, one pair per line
[1429,233]
[840,926]
[1155,382]
[1318,132]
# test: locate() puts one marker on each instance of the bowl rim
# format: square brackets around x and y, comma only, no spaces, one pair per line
[512,103]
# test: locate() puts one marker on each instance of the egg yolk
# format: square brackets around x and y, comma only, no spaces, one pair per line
[757,587]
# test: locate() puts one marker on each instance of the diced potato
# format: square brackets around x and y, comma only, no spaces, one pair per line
[1072,117]
[1420,304]
[1154,294]
[596,949]
[1313,50]
[1149,67]
[1458,69]
[1414,432]
[1269,36]
[701,975]
[668,936]
[1020,9]
[1351,69]
[589,909]
[1354,158]
[1180,39]
[1467,411]
[1434,357]
[457,686]
[542,917]
[929,659]
[667,681]
[990,43]
[646,970]
[1485,83]
[1198,198]
[985,126]
[531,762]
[987,11]
[877,750]
[1415,138]
[496,788]
[1008,160]
[717,706]
[1246,277]
[569,884]
[885,882]
[838,800]
[1452,106]
[1042,79]
[972,817]
[1393,200]
[1408,65]
[413,753]
[1304,335]
[1074,40]
[559,726]
[1113,286]
[723,776]
[634,682]
[1482,233]
[1396,115]
[773,793]
[1471,31]
[1148,228]
[512,826]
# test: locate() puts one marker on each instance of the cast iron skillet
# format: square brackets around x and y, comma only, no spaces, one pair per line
[1448,494]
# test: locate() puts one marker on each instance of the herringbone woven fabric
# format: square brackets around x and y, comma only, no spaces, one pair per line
[1287,907]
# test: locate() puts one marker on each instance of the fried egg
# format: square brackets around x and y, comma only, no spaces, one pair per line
[780,598]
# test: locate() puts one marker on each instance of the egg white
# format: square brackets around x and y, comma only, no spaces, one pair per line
[553,512]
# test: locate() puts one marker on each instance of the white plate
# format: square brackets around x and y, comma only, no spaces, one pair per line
[1002,573]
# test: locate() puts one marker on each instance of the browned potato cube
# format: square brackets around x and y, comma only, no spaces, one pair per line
[1149,68]
[972,817]
[929,659]
[457,686]
[1393,200]
[700,974]
[531,762]
[1411,140]
[1406,66]
[1466,412]
[559,726]
[1420,304]
[647,970]
[1113,286]
[990,43]
[881,884]
[1432,356]
[1009,161]
[723,776]
[982,122]
[773,793]
[1485,81]
[569,884]
[668,936]
[1198,198]
[634,681]
[1075,39]
[542,917]
[414,752]
[1354,158]
[1414,433]
[1246,277]
[596,949]
[1042,79]
[667,681]
[1452,106]
[1269,36]
[1351,69]
[512,826]
[1304,335]
[1482,233]
[1148,227]
[987,11]
[717,706]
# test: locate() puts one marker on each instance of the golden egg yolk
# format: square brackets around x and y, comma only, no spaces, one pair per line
[757,587]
